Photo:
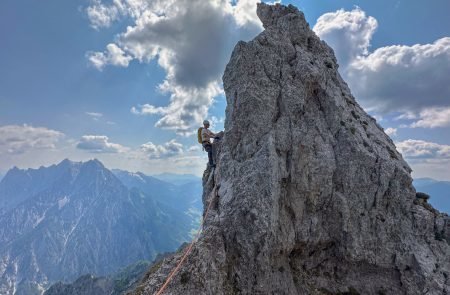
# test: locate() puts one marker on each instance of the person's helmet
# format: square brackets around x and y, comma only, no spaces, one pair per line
[206,122]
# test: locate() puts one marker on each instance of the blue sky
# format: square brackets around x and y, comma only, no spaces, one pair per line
[128,82]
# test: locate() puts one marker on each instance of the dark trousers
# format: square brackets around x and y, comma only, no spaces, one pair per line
[208,148]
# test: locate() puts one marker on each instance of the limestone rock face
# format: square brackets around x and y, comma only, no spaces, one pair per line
[310,195]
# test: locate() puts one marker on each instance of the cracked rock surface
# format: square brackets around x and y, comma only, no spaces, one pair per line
[310,195]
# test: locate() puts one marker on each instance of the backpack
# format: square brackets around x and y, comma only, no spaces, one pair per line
[199,135]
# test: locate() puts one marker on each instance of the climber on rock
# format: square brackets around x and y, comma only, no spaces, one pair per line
[204,137]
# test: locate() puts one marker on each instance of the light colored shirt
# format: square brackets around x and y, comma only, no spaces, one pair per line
[207,135]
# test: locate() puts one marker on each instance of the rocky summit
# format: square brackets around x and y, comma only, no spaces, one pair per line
[310,194]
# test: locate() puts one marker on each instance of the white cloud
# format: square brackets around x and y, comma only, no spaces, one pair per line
[391,131]
[174,147]
[412,148]
[95,116]
[192,40]
[435,168]
[403,78]
[397,78]
[427,159]
[187,108]
[19,139]
[102,15]
[348,32]
[99,117]
[245,12]
[433,117]
[148,109]
[113,55]
[153,151]
[406,116]
[99,144]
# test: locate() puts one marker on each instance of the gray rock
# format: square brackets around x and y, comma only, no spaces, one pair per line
[422,196]
[439,192]
[310,195]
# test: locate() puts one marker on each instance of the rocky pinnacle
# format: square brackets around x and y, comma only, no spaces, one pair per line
[310,195]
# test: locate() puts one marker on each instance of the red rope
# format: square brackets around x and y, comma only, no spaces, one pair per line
[188,251]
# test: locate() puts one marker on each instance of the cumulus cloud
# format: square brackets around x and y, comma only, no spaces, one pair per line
[191,40]
[99,144]
[348,32]
[432,118]
[428,159]
[113,55]
[102,15]
[187,106]
[244,12]
[412,148]
[407,79]
[153,151]
[19,139]
[403,78]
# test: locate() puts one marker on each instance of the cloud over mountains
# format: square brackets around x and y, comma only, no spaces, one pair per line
[19,139]
[99,144]
[170,148]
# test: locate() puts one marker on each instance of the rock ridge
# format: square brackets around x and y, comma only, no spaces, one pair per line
[311,196]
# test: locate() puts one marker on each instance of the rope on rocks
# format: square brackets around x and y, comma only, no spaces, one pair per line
[188,250]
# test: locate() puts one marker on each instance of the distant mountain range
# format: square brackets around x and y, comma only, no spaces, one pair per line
[60,222]
[439,192]
[178,179]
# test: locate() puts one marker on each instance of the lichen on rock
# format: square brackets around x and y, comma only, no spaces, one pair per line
[311,195]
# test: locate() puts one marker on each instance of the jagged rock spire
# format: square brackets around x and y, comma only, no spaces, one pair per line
[313,197]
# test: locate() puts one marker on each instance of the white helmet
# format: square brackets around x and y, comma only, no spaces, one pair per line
[206,122]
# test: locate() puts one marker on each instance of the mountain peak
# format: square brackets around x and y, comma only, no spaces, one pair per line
[95,162]
[309,195]
[273,15]
[66,162]
[14,170]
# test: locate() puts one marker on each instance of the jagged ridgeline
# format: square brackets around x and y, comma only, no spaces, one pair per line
[312,196]
[71,219]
